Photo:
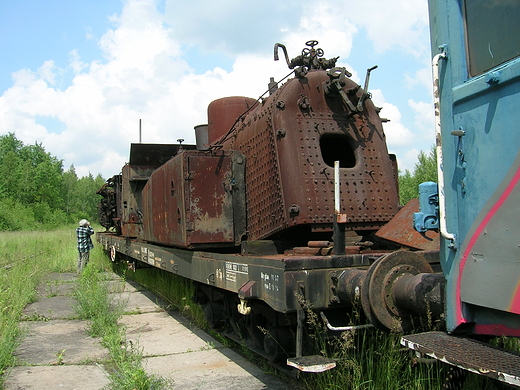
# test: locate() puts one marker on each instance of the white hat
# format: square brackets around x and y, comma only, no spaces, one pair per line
[83,222]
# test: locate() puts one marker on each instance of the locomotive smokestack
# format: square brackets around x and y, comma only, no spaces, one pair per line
[272,86]
[201,137]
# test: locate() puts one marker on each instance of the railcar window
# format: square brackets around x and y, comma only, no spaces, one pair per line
[492,33]
[336,147]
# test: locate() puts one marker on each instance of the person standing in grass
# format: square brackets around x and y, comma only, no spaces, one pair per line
[83,232]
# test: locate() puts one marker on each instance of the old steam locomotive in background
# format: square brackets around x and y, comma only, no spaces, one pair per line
[286,198]
[286,202]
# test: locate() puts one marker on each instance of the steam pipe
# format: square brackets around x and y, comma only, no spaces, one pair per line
[276,46]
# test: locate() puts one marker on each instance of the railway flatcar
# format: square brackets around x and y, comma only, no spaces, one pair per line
[285,201]
[290,201]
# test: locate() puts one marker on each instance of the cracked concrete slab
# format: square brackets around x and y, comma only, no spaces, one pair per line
[51,308]
[164,333]
[59,342]
[211,370]
[137,302]
[84,377]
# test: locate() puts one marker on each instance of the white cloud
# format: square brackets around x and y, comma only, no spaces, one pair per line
[421,77]
[143,74]
[389,24]
[397,135]
[47,72]
[75,62]
[408,160]
[424,121]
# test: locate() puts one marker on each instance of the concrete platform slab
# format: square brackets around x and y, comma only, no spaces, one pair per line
[111,276]
[59,342]
[171,347]
[119,286]
[138,302]
[55,288]
[165,333]
[89,377]
[60,277]
[212,370]
[60,307]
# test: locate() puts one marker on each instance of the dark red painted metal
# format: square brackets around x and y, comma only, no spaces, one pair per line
[223,113]
[188,202]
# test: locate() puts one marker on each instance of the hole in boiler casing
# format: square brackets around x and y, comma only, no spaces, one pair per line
[337,147]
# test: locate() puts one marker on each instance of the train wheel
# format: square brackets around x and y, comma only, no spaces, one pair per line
[256,329]
[279,343]
[214,314]
[112,253]
[455,378]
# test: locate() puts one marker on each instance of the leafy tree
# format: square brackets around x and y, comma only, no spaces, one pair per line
[70,180]
[87,198]
[35,191]
[425,170]
[9,143]
[10,174]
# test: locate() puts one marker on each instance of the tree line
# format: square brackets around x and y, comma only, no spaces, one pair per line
[425,170]
[36,192]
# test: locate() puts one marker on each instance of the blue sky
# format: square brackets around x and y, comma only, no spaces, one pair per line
[78,75]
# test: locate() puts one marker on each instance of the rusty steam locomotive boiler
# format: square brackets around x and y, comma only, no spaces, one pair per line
[266,169]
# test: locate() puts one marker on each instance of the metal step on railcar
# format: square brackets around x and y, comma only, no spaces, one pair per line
[470,355]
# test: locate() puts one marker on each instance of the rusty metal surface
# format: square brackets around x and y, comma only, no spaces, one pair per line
[265,203]
[318,135]
[133,180]
[290,143]
[471,355]
[315,363]
[223,113]
[191,200]
[400,229]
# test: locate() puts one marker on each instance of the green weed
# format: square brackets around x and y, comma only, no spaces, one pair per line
[126,372]
[366,359]
[173,288]
[25,258]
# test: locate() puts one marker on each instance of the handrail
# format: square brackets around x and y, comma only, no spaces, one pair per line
[438,146]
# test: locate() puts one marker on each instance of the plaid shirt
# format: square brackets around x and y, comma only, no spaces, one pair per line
[84,241]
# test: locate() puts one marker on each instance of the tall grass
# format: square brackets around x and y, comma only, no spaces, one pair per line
[25,257]
[370,359]
[175,289]
[126,372]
